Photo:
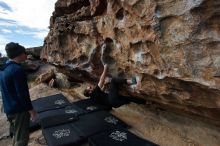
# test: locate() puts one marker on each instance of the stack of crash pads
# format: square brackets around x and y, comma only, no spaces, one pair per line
[71,124]
[48,103]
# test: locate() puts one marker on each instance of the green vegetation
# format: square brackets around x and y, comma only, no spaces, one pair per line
[2,60]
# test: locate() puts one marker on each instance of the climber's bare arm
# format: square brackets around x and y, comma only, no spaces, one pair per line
[103,76]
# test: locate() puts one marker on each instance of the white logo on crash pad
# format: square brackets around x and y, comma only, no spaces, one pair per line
[59,102]
[118,136]
[91,108]
[111,120]
[71,111]
[61,133]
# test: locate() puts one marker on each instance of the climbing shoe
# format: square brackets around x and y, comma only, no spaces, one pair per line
[134,80]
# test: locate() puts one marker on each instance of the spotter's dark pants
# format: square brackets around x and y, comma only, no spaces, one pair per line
[19,126]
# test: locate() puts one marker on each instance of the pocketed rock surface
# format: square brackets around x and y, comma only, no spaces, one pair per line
[172,46]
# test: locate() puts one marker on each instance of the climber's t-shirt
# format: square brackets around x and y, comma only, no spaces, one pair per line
[99,96]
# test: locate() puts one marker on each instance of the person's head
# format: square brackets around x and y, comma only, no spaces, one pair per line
[88,91]
[15,52]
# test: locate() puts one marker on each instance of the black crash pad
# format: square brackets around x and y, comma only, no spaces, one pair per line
[57,116]
[109,118]
[34,126]
[96,122]
[62,135]
[74,109]
[50,102]
[90,105]
[118,137]
[57,120]
[71,110]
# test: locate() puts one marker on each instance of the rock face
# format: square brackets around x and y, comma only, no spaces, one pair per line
[35,51]
[172,46]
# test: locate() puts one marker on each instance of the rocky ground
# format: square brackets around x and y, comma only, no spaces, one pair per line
[147,121]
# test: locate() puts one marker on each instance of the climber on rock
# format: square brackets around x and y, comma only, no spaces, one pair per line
[113,98]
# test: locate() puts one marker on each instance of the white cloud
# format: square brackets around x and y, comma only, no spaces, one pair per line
[20,31]
[3,11]
[30,13]
[40,34]
[7,24]
[6,31]
[2,49]
[3,42]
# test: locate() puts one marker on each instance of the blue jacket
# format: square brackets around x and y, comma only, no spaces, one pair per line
[14,88]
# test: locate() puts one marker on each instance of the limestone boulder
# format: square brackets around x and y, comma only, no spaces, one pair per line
[61,81]
[171,46]
[35,51]
[45,77]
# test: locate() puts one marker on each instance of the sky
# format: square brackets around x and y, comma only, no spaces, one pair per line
[24,21]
